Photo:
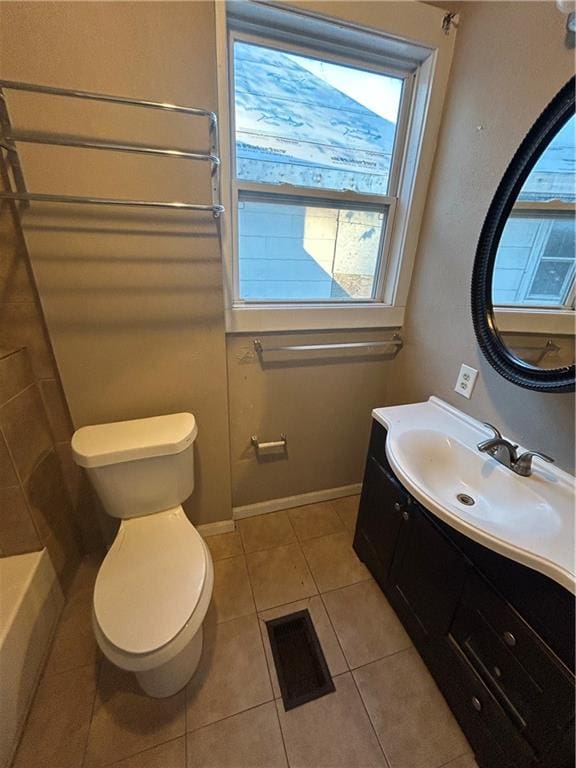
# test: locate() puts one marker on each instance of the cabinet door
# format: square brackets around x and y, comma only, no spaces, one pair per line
[382,504]
[426,577]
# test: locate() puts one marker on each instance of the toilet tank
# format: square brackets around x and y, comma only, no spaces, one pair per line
[141,466]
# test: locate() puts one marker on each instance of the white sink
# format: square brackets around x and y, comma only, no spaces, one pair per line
[432,448]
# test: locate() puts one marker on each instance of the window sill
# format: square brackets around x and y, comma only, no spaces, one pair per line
[288,317]
[533,320]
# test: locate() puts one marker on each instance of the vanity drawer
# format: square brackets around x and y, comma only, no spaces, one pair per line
[495,741]
[532,685]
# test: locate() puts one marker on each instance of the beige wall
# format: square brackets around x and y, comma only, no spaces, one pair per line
[133,301]
[323,406]
[509,62]
[134,304]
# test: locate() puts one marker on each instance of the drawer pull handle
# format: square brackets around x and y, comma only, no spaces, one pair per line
[509,639]
[405,516]
[397,507]
[476,703]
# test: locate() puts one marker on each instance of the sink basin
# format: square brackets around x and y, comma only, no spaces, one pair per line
[499,499]
[432,448]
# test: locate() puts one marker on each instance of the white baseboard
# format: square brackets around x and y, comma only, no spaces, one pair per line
[289,502]
[213,529]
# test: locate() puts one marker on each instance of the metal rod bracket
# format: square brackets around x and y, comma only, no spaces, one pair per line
[282,443]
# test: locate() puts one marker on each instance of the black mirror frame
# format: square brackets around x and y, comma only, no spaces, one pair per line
[519,372]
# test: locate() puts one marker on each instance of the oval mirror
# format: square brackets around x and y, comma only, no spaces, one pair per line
[524,273]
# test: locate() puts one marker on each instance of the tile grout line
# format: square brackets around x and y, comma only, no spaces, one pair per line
[310,571]
[453,759]
[26,388]
[381,658]
[20,482]
[141,752]
[260,630]
[271,607]
[281,732]
[228,717]
[351,672]
[186,715]
[268,664]
[338,513]
[44,673]
[374,731]
[335,632]
[254,613]
[277,546]
[92,712]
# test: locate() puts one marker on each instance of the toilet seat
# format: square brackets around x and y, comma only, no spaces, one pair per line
[150,583]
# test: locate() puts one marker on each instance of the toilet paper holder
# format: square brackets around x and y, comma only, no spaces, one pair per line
[282,443]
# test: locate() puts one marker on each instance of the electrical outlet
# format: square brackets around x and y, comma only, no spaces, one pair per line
[466,380]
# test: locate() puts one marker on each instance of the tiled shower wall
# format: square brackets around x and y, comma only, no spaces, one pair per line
[45,500]
[35,505]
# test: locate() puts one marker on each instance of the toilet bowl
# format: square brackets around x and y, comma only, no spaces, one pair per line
[155,584]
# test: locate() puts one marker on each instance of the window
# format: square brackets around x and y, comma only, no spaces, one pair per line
[536,260]
[326,131]
[310,123]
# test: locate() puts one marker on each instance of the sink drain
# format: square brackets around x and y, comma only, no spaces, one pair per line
[463,498]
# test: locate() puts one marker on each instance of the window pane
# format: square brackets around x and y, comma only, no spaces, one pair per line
[535,262]
[292,250]
[554,175]
[549,279]
[310,123]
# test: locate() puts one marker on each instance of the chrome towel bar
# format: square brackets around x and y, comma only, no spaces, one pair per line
[396,342]
[81,200]
[15,85]
[57,140]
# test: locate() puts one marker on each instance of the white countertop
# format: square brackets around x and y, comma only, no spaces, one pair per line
[432,448]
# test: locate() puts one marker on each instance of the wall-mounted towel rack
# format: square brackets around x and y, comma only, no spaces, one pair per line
[9,139]
[549,347]
[396,343]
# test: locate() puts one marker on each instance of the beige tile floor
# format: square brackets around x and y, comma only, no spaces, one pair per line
[386,710]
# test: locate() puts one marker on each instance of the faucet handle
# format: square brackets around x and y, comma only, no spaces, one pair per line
[496,431]
[523,464]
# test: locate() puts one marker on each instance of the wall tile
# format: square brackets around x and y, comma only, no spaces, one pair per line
[56,409]
[64,555]
[15,283]
[48,498]
[53,515]
[23,325]
[15,374]
[26,430]
[17,531]
[7,472]
[85,504]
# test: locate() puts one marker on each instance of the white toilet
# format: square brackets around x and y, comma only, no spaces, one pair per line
[155,584]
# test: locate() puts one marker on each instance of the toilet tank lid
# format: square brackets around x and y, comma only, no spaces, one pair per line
[103,444]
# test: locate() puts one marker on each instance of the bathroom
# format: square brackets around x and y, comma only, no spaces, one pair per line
[112,313]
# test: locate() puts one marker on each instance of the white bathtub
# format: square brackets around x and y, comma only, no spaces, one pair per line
[30,603]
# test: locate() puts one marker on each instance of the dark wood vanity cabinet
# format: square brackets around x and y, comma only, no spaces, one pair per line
[498,637]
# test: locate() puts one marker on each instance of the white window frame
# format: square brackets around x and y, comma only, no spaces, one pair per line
[539,318]
[417,129]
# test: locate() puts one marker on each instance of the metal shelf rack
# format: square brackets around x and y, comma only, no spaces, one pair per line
[9,139]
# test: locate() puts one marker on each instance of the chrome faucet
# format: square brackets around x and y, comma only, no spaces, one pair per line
[523,464]
[505,452]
